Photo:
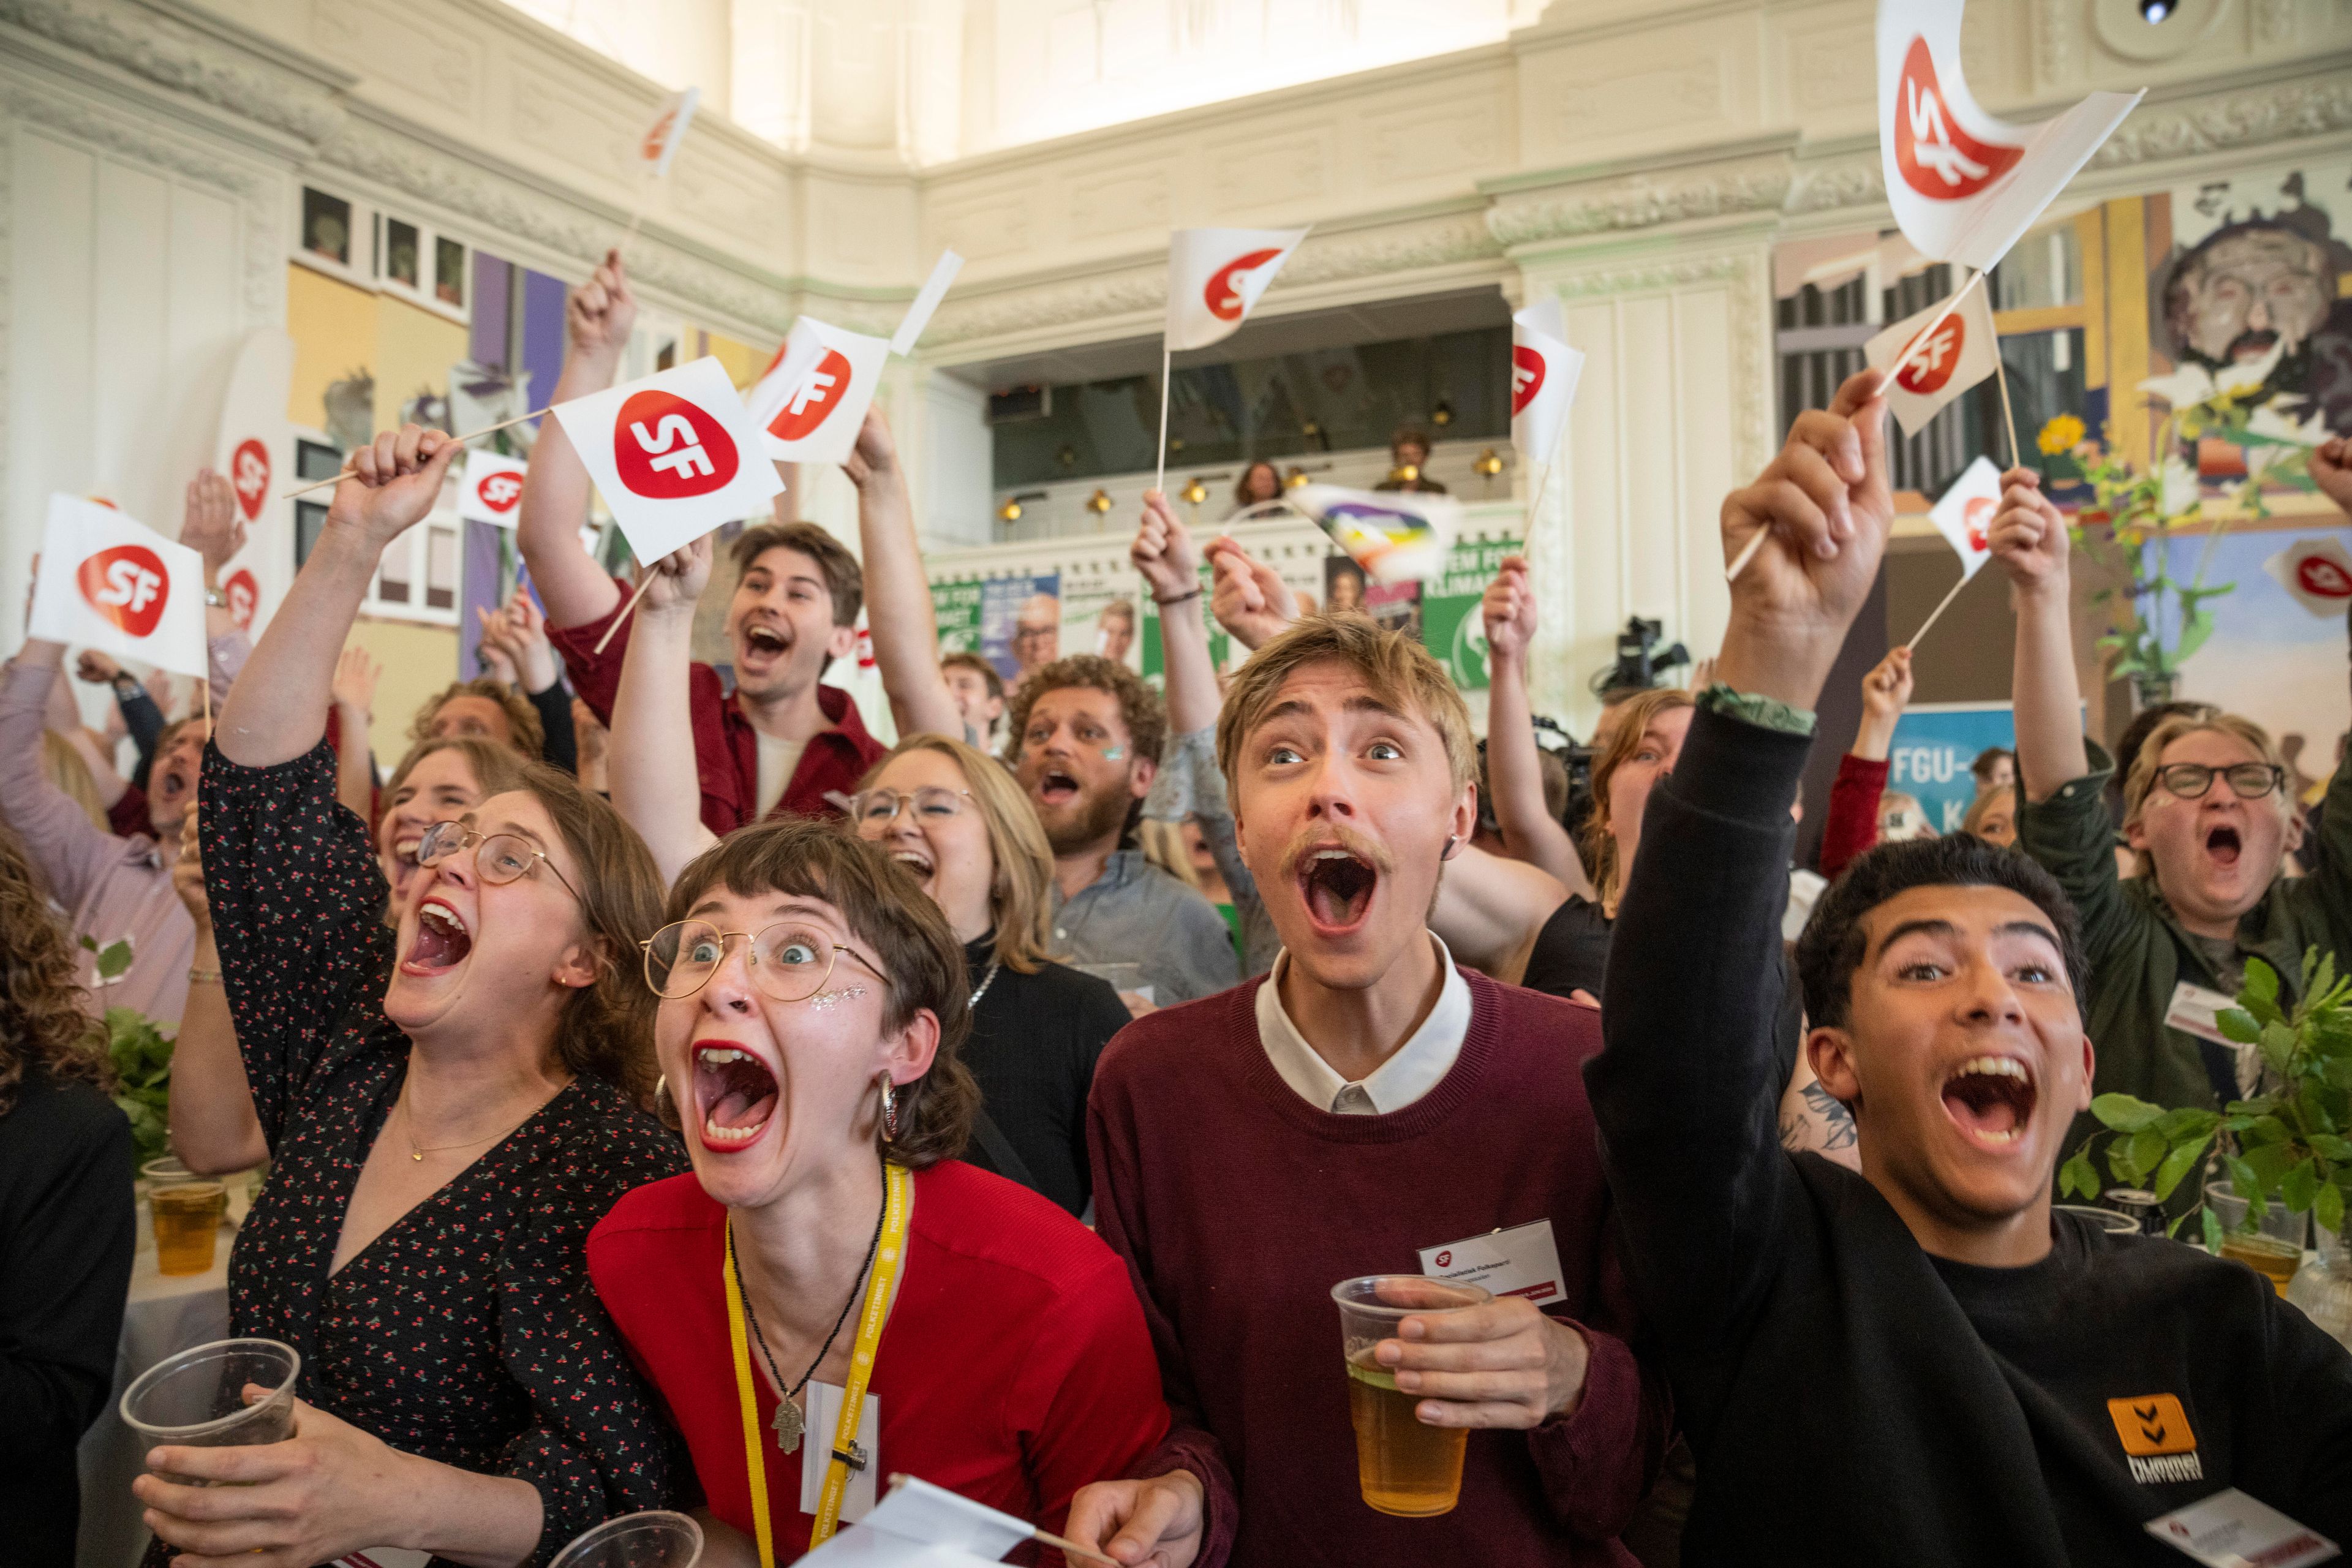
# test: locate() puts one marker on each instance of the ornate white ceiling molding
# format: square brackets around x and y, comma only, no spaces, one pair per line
[172,54]
[2229,121]
[1745,185]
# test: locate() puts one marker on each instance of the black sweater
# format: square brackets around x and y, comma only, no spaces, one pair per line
[1850,1399]
[1034,1044]
[68,1225]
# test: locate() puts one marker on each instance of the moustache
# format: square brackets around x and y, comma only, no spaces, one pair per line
[1315,840]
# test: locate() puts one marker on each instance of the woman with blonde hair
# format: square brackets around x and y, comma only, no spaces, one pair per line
[956,819]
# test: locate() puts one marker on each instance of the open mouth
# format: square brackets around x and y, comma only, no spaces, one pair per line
[736,1094]
[2223,845]
[2252,345]
[442,940]
[1056,787]
[171,782]
[1338,887]
[1991,1099]
[763,642]
[915,861]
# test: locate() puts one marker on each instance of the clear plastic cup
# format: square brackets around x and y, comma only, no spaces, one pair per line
[196,1398]
[1402,1466]
[186,1216]
[2271,1246]
[655,1539]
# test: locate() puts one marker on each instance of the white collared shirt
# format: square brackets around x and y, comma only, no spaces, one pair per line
[1416,1068]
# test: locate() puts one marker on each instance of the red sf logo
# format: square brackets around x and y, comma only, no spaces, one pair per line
[248,470]
[1932,363]
[2323,577]
[666,448]
[1223,297]
[652,150]
[1936,157]
[128,586]
[1526,378]
[814,399]
[1445,1258]
[1974,517]
[244,597]
[500,490]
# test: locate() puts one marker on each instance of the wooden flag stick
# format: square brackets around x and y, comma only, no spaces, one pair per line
[2008,415]
[622,619]
[1072,1549]
[1167,358]
[1914,643]
[1748,553]
[341,474]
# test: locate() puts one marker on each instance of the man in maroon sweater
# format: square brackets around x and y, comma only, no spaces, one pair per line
[1365,1109]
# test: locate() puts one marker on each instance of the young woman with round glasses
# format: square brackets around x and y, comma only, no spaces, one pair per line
[829,1252]
[449,1103]
[959,822]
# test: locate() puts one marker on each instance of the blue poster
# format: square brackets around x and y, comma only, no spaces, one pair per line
[1021,623]
[1933,745]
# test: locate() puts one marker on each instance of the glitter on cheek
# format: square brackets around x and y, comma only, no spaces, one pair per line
[824,999]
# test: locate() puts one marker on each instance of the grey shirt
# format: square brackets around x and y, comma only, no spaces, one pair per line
[1190,784]
[1137,913]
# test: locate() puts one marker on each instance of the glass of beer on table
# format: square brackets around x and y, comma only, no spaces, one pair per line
[2271,1246]
[1404,1466]
[196,1399]
[188,1213]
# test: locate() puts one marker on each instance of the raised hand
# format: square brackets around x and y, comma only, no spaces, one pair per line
[212,525]
[876,452]
[1162,551]
[97,667]
[599,315]
[188,871]
[356,673]
[1508,608]
[526,642]
[390,483]
[677,580]
[1247,596]
[2029,535]
[1886,690]
[2331,469]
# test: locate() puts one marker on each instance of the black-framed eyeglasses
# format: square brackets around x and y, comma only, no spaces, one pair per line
[878,807]
[2193,781]
[789,961]
[498,857]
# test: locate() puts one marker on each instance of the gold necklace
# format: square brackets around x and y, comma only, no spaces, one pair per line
[407,1125]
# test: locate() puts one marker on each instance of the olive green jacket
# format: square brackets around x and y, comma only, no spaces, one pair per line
[2139,952]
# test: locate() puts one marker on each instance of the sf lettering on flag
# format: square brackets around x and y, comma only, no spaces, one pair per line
[492,489]
[249,477]
[657,148]
[1217,277]
[1964,516]
[812,398]
[2317,573]
[1544,373]
[1945,357]
[109,583]
[674,455]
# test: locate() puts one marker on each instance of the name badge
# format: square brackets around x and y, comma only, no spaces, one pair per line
[2230,1530]
[1520,1261]
[816,1451]
[2194,1010]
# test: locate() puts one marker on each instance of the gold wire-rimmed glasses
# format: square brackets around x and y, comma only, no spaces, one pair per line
[932,803]
[498,857]
[789,961]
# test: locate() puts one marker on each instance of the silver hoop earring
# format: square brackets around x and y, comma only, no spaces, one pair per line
[890,1112]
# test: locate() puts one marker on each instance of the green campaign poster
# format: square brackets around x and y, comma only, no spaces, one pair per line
[1449,610]
[956,607]
[1155,663]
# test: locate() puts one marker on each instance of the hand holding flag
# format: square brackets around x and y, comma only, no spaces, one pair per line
[1932,357]
[391,482]
[116,585]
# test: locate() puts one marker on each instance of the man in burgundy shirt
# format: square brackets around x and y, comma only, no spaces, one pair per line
[1366,1108]
[781,741]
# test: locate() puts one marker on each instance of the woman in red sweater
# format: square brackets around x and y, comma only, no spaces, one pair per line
[829,1250]
[1851,824]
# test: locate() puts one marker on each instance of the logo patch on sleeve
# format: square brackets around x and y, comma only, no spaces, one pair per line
[2158,1443]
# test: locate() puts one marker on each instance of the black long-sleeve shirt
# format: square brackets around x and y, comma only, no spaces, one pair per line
[66,1230]
[1850,1398]
[554,706]
[1034,1044]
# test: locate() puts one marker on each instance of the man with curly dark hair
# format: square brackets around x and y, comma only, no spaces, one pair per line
[67,1219]
[1084,736]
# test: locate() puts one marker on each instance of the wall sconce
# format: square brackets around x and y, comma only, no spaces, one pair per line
[1098,503]
[1488,465]
[1297,478]
[1194,493]
[1010,511]
[1443,414]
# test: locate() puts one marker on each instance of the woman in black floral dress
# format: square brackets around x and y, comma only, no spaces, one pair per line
[449,1106]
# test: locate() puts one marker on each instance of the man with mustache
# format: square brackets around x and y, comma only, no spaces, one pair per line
[781,742]
[118,887]
[1367,1106]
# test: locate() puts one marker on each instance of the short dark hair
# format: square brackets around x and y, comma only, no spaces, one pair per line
[1981,768]
[1832,945]
[844,578]
[986,671]
[1408,436]
[880,902]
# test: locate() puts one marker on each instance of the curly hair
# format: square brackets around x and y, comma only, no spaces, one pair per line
[522,719]
[1140,708]
[42,1024]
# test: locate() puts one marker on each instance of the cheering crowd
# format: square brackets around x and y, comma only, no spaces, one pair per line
[652,1067]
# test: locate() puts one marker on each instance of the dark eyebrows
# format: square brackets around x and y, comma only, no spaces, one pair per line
[2029,927]
[1927,927]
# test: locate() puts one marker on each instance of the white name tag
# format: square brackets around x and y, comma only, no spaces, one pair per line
[1520,1261]
[2230,1530]
[2194,1010]
[816,1451]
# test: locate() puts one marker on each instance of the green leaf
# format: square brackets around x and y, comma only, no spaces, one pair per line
[2126,1114]
[2333,1146]
[88,943]
[114,959]
[2147,1150]
[2187,1122]
[2195,633]
[2243,1180]
[2328,1209]
[2278,1044]
[2261,980]
[2078,1177]
[2300,1186]
[2212,1231]
[2178,1164]
[2271,1161]
[2239,1025]
[2268,1130]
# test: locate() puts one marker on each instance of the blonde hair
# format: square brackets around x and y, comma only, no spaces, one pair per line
[2150,758]
[1400,671]
[1018,894]
[1635,716]
[1163,845]
[71,776]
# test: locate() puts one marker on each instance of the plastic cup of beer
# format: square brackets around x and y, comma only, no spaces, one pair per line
[2272,1245]
[655,1539]
[196,1398]
[1404,1466]
[187,1217]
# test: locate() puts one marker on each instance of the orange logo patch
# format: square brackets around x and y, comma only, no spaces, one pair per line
[2151,1424]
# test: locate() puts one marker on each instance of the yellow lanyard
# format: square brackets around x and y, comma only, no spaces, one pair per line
[888,1255]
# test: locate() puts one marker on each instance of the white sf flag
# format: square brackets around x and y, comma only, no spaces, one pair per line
[1964,517]
[1963,184]
[2317,571]
[658,147]
[674,454]
[1961,351]
[491,490]
[1544,370]
[1215,277]
[112,584]
[917,1523]
[810,401]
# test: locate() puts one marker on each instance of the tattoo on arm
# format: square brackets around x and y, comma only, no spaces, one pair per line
[1835,1122]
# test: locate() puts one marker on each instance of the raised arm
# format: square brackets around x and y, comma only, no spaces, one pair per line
[1171,569]
[1490,910]
[214,1125]
[214,526]
[898,597]
[1688,1088]
[2029,539]
[1248,597]
[1852,825]
[71,852]
[649,758]
[1514,768]
[596,322]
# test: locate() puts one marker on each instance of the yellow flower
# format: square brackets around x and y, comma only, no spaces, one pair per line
[2063,434]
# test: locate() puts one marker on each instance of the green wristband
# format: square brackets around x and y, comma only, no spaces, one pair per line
[1764,712]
